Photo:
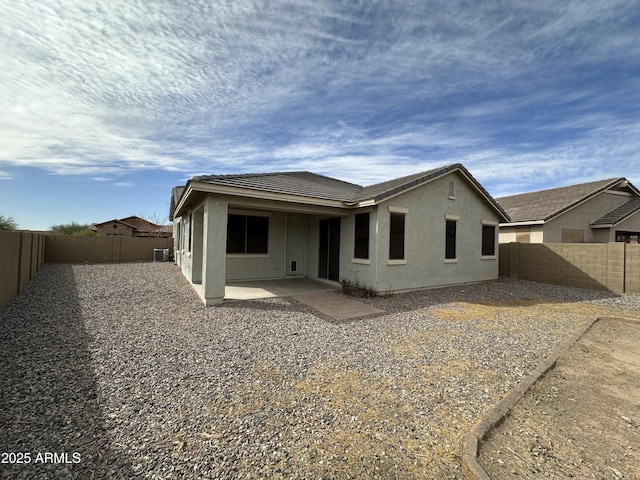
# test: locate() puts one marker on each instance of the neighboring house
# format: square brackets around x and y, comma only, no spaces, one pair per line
[132,227]
[433,228]
[602,211]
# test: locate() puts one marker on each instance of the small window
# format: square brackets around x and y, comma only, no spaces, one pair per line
[452,189]
[247,234]
[488,240]
[190,230]
[450,247]
[396,236]
[361,249]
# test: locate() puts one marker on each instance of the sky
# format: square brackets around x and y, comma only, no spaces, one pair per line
[105,106]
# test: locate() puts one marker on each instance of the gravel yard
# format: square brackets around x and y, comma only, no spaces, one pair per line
[121,372]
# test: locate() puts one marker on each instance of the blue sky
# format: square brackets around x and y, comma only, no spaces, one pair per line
[108,105]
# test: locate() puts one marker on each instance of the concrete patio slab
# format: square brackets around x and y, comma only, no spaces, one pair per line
[337,306]
[248,290]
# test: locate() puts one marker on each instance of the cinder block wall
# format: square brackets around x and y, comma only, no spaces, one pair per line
[100,249]
[23,253]
[604,266]
[21,256]
[632,269]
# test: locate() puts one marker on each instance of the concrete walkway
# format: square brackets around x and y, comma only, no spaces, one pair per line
[275,288]
[318,295]
[337,306]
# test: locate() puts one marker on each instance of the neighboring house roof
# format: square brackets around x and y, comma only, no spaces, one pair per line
[136,223]
[544,205]
[618,214]
[313,186]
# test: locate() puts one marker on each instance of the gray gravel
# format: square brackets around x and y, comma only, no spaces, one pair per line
[122,366]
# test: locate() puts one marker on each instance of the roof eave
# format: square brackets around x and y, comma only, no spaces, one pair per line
[194,186]
[523,223]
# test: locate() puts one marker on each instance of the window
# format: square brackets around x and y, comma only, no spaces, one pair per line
[488,240]
[452,190]
[361,249]
[190,231]
[396,236]
[247,234]
[450,247]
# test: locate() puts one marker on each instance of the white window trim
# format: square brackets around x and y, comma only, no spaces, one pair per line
[450,216]
[361,261]
[393,209]
[450,260]
[490,223]
[488,257]
[399,261]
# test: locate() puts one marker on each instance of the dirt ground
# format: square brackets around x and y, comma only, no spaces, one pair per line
[582,419]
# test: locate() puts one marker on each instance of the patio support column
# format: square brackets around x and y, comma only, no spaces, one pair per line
[214,250]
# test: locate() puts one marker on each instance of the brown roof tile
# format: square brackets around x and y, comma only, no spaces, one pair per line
[546,204]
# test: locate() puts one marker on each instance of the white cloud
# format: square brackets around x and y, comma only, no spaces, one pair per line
[362,92]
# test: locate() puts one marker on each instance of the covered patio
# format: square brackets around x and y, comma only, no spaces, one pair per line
[249,290]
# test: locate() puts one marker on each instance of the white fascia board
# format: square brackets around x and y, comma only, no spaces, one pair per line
[264,195]
[367,203]
[522,224]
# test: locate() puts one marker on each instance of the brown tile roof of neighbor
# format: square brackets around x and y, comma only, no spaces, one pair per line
[618,214]
[547,204]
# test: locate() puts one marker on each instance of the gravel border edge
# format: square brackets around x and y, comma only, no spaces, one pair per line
[471,469]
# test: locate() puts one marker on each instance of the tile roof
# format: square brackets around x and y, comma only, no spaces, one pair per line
[312,185]
[547,204]
[618,214]
[296,183]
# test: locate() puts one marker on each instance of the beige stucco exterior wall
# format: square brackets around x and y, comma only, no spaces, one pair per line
[510,234]
[581,217]
[425,221]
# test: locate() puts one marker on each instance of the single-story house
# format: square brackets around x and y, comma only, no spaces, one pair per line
[132,226]
[433,228]
[603,211]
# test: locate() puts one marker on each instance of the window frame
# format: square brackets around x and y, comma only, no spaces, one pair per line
[494,229]
[397,240]
[362,236]
[451,239]
[250,227]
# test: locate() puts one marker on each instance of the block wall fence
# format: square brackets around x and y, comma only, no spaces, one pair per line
[604,266]
[23,253]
